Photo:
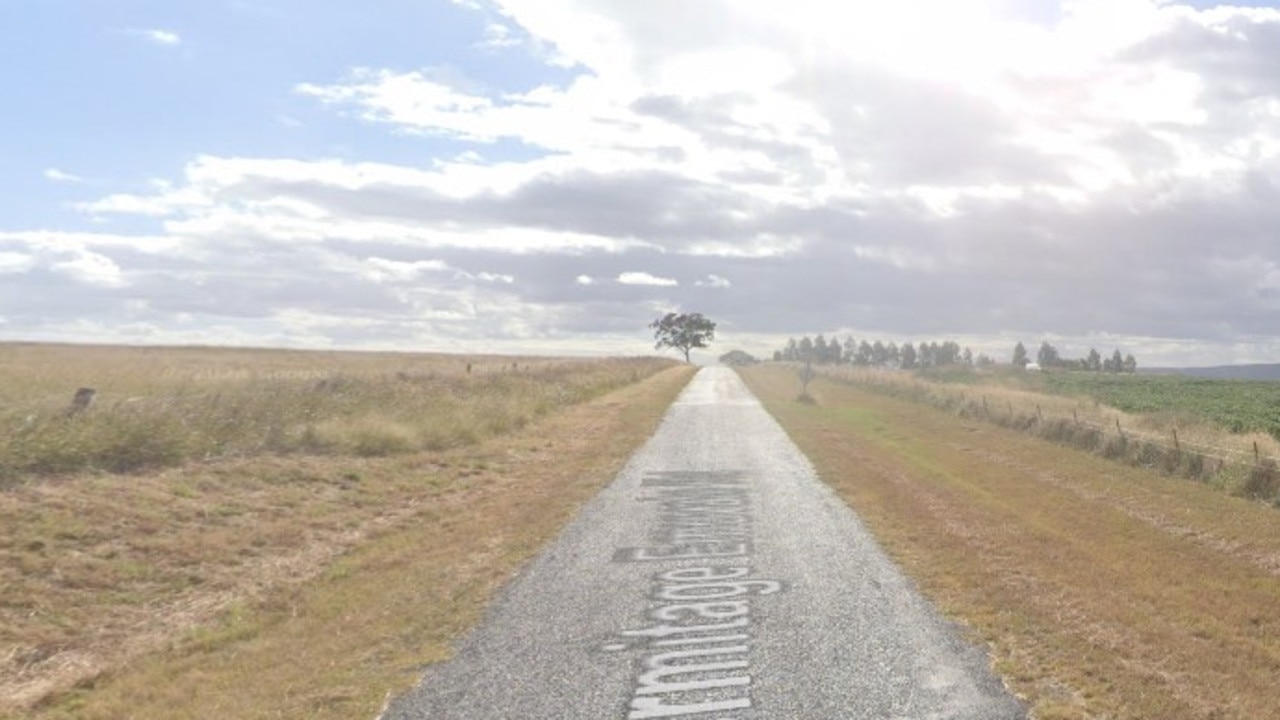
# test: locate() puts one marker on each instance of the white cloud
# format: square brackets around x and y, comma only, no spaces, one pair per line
[60,176]
[643,278]
[314,201]
[162,37]
[410,100]
[384,270]
[498,35]
[76,241]
[14,262]
[847,166]
[92,268]
[157,36]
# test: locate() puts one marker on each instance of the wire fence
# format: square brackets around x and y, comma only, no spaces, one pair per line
[1109,436]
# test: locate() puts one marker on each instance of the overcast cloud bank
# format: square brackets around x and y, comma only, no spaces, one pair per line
[1094,173]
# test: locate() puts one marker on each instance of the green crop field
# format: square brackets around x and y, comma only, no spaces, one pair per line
[1235,405]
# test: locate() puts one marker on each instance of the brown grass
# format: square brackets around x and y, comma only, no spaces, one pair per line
[284,585]
[1103,591]
[162,407]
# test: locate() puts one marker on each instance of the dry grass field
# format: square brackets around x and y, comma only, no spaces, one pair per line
[159,408]
[299,532]
[1103,590]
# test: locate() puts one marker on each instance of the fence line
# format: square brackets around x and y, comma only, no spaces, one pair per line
[1039,416]
[1179,444]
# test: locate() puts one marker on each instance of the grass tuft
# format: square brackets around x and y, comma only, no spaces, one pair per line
[1262,482]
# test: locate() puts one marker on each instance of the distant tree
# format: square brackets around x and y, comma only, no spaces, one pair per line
[792,352]
[820,349]
[864,353]
[967,357]
[777,356]
[1020,355]
[738,358]
[879,354]
[983,360]
[1093,363]
[850,352]
[892,354]
[925,355]
[1048,356]
[806,375]
[908,356]
[1130,365]
[831,356]
[835,352]
[1113,364]
[805,353]
[683,331]
[949,353]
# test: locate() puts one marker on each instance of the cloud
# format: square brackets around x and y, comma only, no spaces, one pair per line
[498,36]
[384,270]
[643,278]
[92,269]
[1098,171]
[714,281]
[14,262]
[156,36]
[59,176]
[162,37]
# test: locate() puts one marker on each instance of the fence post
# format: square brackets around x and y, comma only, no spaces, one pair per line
[1039,414]
[1256,458]
[1118,428]
[1176,445]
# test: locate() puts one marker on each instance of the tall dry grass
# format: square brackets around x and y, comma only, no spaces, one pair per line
[161,407]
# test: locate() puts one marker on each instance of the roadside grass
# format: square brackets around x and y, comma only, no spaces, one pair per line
[295,584]
[162,407]
[1102,590]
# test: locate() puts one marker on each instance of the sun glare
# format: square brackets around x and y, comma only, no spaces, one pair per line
[935,38]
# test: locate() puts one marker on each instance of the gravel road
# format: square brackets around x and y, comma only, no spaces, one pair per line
[716,577]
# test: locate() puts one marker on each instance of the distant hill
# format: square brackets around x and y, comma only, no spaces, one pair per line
[1257,371]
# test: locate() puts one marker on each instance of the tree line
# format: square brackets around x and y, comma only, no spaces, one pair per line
[1048,357]
[908,356]
[822,351]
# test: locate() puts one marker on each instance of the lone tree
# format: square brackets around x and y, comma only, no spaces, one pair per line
[683,331]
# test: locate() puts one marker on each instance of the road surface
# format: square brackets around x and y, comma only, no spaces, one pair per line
[716,577]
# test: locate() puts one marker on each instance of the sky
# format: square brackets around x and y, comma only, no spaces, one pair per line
[549,176]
